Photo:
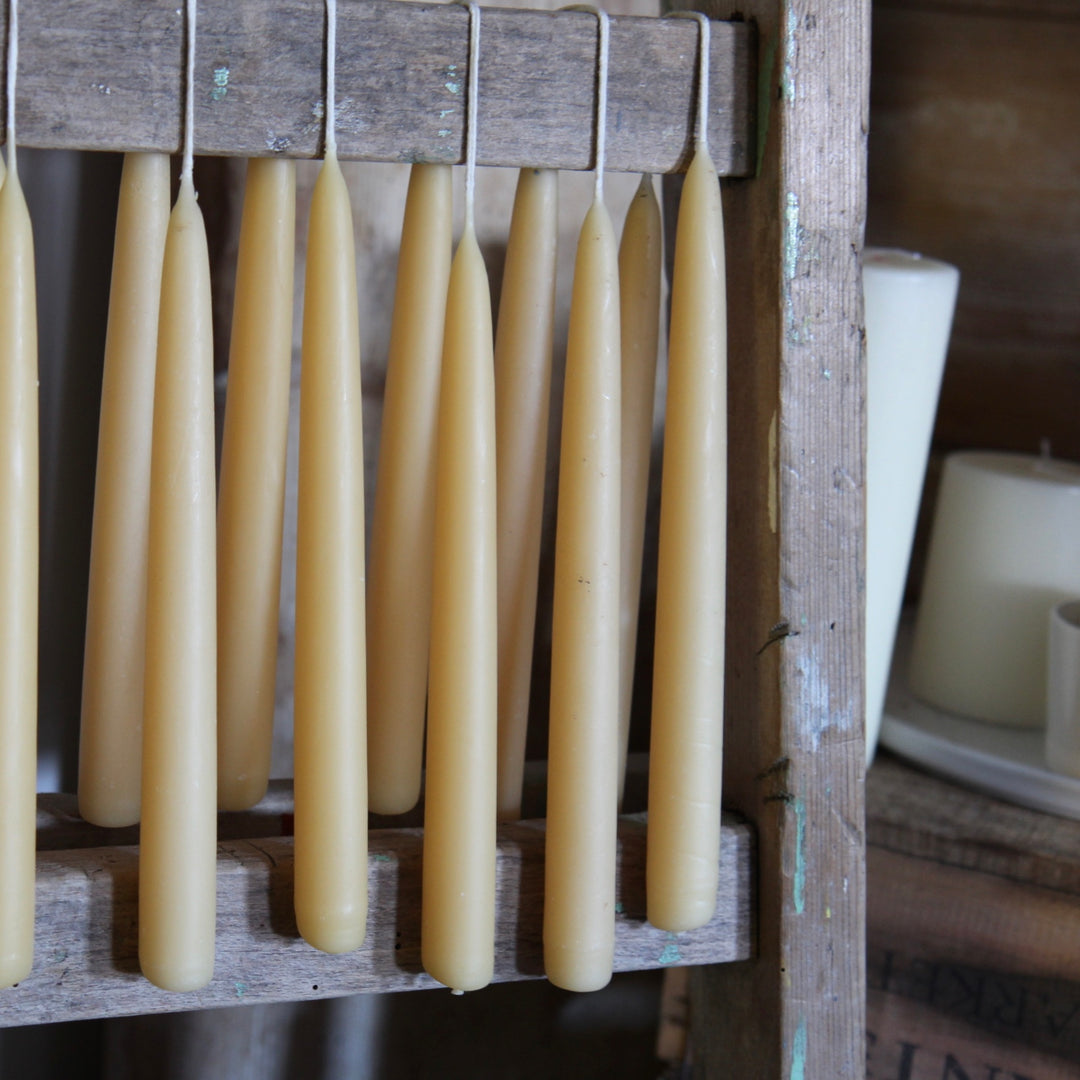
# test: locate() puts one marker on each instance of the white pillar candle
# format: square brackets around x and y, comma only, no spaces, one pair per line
[1063,690]
[1003,551]
[909,310]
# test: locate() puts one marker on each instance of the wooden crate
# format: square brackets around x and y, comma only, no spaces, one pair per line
[790,90]
[973,932]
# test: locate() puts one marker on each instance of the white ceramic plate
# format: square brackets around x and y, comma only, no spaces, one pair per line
[1002,761]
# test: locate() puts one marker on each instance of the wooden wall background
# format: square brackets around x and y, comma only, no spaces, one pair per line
[974,157]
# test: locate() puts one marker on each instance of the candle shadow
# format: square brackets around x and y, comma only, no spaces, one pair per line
[405,887]
[117,907]
[630,875]
[520,903]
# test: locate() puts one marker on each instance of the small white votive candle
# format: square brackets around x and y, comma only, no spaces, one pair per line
[1004,549]
[1063,689]
[909,309]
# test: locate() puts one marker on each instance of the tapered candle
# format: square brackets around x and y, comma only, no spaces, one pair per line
[457,927]
[688,674]
[579,887]
[110,742]
[523,342]
[178,836]
[330,746]
[251,494]
[399,587]
[18,576]
[641,253]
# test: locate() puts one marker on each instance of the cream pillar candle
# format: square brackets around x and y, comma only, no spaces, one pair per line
[909,308]
[18,579]
[110,741]
[330,748]
[523,343]
[1002,552]
[1063,689]
[583,749]
[457,936]
[688,674]
[399,589]
[251,491]
[641,253]
[178,836]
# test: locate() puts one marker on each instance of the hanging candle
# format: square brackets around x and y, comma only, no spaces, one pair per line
[178,835]
[110,739]
[583,747]
[523,343]
[18,558]
[330,748]
[641,253]
[399,588]
[251,491]
[688,675]
[457,935]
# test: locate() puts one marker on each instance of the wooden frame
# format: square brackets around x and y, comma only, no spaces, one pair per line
[108,76]
[794,753]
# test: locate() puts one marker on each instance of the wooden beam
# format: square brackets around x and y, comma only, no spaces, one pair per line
[87,918]
[108,75]
[794,699]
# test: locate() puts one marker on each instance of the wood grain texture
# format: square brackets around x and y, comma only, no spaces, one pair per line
[911,812]
[973,932]
[976,168]
[107,75]
[794,703]
[86,942]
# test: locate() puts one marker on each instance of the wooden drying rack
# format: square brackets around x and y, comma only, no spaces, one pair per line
[789,95]
[108,76]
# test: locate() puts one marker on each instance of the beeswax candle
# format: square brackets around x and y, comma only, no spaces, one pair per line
[251,495]
[18,578]
[330,748]
[178,848]
[110,742]
[641,253]
[688,674]
[582,801]
[399,590]
[523,342]
[457,937]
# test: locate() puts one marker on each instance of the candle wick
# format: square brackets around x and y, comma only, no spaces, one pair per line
[1044,449]
[330,137]
[12,67]
[603,49]
[188,162]
[602,64]
[701,115]
[471,114]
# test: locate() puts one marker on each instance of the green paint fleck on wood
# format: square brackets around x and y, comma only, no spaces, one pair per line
[221,84]
[798,892]
[798,1052]
[670,953]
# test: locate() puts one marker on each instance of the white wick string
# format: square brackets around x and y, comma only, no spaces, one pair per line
[187,165]
[12,66]
[331,79]
[601,101]
[701,122]
[472,109]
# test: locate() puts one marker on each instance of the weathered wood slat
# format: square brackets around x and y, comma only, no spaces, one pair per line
[794,695]
[86,941]
[107,75]
[911,812]
[973,932]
